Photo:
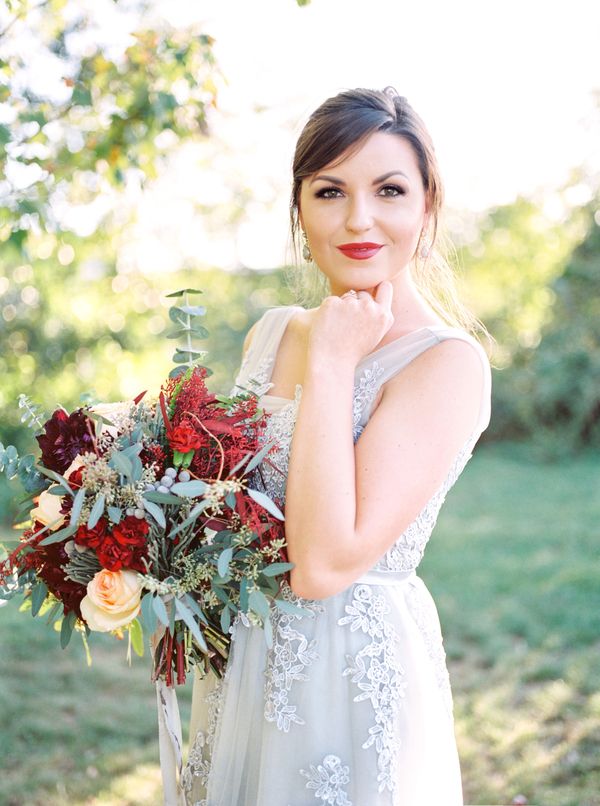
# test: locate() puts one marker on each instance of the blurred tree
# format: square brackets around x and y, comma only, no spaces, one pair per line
[90,110]
[81,116]
[516,252]
[552,393]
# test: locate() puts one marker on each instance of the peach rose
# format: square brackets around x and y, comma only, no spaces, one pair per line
[112,601]
[48,510]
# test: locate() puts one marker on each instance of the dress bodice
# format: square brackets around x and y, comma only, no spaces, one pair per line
[371,373]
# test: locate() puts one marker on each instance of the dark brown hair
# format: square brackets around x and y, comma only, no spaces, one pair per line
[338,128]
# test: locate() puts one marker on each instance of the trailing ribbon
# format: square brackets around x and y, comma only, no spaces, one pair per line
[170,744]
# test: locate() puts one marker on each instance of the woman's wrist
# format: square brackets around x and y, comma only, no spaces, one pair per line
[327,366]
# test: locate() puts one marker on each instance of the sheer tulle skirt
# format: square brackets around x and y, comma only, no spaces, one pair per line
[351,706]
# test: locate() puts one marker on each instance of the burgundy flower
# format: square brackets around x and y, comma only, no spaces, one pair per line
[131,531]
[65,436]
[115,558]
[183,437]
[48,562]
[92,538]
[123,546]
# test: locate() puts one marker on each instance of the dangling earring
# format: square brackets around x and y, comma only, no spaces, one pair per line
[306,253]
[424,248]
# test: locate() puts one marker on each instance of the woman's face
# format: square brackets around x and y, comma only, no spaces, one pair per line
[363,216]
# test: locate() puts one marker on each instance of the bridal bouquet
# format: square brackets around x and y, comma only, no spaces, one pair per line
[143,516]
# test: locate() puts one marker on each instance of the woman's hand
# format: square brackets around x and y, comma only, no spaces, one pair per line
[347,328]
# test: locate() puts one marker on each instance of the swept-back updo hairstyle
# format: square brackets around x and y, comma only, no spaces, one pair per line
[338,128]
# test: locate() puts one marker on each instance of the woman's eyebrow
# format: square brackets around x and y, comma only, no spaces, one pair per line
[335,181]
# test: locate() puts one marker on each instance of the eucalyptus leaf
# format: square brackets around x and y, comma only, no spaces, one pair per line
[195,607]
[137,637]
[66,629]
[266,503]
[137,468]
[259,457]
[149,613]
[192,517]
[156,512]
[259,603]
[97,511]
[172,613]
[162,498]
[225,619]
[115,514]
[190,489]
[132,450]
[38,595]
[188,618]
[239,465]
[160,610]
[77,504]
[51,474]
[244,595]
[192,310]
[277,568]
[56,537]
[184,291]
[121,463]
[223,561]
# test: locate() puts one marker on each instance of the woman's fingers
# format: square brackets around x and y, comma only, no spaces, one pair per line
[384,294]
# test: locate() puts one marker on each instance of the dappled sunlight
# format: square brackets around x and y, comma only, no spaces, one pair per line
[140,786]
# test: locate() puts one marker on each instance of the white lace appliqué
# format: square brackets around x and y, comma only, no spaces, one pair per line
[424,612]
[407,552]
[199,758]
[364,394]
[257,382]
[271,475]
[377,671]
[287,661]
[328,780]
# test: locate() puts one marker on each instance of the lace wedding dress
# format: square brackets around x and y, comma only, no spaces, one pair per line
[351,706]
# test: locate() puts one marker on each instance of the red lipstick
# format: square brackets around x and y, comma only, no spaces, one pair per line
[360,251]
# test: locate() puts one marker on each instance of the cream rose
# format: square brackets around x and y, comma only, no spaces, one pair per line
[75,464]
[115,412]
[112,601]
[48,510]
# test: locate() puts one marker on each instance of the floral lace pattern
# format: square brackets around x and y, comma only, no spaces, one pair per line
[287,661]
[364,394]
[377,671]
[199,758]
[271,475]
[407,552]
[424,612]
[258,381]
[328,780]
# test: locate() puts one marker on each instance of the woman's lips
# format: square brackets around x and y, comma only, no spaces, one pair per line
[360,251]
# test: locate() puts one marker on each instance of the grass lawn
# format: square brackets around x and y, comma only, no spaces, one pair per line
[514,567]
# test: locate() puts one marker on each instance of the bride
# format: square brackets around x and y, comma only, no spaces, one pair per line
[376,399]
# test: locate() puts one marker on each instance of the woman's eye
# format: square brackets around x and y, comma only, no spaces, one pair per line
[328,193]
[392,190]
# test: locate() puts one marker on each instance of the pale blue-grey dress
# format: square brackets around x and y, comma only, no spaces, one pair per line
[351,706]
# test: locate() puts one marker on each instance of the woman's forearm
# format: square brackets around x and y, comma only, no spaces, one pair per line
[321,487]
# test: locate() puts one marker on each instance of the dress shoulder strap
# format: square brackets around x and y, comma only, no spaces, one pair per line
[257,365]
[393,357]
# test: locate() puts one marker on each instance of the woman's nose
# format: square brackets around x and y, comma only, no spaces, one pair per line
[359,215]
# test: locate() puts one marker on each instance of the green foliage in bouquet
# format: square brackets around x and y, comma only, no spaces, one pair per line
[151,516]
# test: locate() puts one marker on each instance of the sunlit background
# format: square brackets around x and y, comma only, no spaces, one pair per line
[145,147]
